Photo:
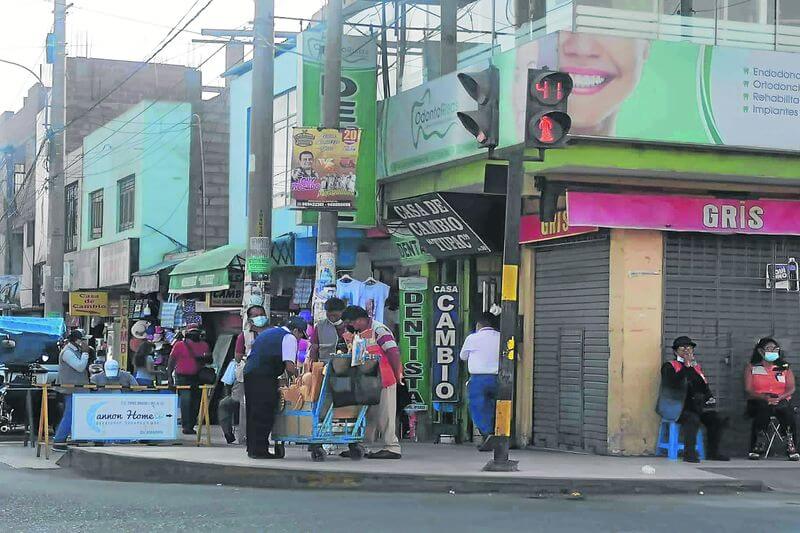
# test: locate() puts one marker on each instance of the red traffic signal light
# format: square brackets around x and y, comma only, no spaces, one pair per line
[549,128]
[546,120]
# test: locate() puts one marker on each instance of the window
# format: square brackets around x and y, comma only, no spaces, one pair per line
[30,233]
[284,111]
[19,177]
[96,214]
[127,191]
[71,211]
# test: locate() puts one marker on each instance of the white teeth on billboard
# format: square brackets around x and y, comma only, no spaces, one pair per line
[582,81]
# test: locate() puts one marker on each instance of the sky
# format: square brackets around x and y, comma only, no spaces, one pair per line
[124,29]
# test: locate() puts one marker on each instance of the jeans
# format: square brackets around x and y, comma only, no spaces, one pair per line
[145,382]
[65,426]
[189,400]
[482,392]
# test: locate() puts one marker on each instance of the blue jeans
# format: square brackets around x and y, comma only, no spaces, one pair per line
[65,426]
[482,392]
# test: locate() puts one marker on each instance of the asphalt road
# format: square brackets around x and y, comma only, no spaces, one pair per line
[54,501]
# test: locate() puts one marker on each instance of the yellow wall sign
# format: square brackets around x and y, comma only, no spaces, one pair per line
[88,303]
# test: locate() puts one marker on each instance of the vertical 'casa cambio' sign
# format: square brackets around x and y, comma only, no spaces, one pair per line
[445,335]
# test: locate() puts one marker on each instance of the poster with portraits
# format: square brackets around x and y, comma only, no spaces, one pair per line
[323,170]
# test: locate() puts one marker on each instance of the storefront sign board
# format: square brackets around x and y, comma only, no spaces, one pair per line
[445,343]
[532,229]
[682,213]
[413,341]
[88,303]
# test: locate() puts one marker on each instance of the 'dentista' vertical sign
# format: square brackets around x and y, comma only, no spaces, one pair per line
[414,325]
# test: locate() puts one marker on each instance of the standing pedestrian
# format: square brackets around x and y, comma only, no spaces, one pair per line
[187,358]
[381,432]
[274,352]
[234,376]
[144,363]
[72,362]
[326,335]
[481,351]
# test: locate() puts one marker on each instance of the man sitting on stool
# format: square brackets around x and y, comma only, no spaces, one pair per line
[686,398]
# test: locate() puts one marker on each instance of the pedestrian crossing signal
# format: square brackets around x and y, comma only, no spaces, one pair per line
[546,120]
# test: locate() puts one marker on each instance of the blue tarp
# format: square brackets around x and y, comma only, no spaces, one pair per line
[33,337]
[54,327]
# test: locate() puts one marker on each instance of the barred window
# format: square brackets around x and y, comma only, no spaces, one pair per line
[127,193]
[96,214]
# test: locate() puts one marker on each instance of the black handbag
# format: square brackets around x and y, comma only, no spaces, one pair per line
[207,376]
[355,385]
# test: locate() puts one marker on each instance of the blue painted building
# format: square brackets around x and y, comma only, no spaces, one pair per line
[136,176]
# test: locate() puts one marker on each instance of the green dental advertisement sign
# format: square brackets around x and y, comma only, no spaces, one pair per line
[414,323]
[358,108]
[624,88]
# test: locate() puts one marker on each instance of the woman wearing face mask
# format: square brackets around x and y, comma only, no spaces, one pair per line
[769,384]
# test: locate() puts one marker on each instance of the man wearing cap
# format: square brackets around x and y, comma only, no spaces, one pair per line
[112,375]
[274,351]
[72,362]
[685,397]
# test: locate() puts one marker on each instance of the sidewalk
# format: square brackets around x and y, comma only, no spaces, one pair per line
[423,468]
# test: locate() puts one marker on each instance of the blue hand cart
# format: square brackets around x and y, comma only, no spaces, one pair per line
[314,424]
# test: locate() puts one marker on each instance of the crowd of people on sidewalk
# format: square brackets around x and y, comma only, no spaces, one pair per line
[264,354]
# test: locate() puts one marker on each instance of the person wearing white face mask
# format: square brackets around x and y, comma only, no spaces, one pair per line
[234,376]
[327,333]
[769,385]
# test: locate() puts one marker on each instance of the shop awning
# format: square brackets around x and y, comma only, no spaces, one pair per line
[206,272]
[148,279]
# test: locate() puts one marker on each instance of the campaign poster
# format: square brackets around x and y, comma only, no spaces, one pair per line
[323,175]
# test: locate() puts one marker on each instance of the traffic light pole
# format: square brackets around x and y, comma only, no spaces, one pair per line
[509,318]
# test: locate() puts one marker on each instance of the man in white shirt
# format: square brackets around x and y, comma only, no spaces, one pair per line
[481,351]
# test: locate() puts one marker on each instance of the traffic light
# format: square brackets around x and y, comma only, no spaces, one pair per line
[546,120]
[484,88]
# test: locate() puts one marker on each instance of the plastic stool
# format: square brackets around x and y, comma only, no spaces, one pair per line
[670,442]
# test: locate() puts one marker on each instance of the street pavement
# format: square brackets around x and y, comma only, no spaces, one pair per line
[55,501]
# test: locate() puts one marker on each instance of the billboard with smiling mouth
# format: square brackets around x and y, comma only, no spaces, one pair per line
[636,89]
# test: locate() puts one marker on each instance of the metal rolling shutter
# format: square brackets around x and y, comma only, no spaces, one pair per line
[715,293]
[571,344]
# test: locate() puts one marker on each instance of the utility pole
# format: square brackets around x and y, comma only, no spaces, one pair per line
[7,202]
[331,94]
[448,58]
[54,279]
[259,199]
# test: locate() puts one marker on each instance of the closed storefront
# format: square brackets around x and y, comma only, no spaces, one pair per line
[716,292]
[571,347]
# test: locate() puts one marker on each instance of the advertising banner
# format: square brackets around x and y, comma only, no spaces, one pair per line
[324,168]
[445,343]
[413,340]
[410,251]
[532,229]
[682,213]
[358,109]
[661,91]
[88,303]
[124,416]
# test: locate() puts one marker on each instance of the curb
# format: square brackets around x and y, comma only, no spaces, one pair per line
[136,469]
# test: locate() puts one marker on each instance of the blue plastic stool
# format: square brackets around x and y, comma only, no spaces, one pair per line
[670,442]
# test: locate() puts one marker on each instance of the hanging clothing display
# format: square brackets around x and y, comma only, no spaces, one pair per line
[349,290]
[373,298]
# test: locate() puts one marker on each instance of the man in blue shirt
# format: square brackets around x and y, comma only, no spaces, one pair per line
[274,352]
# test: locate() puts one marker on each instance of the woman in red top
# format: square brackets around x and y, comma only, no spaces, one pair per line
[186,360]
[769,384]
